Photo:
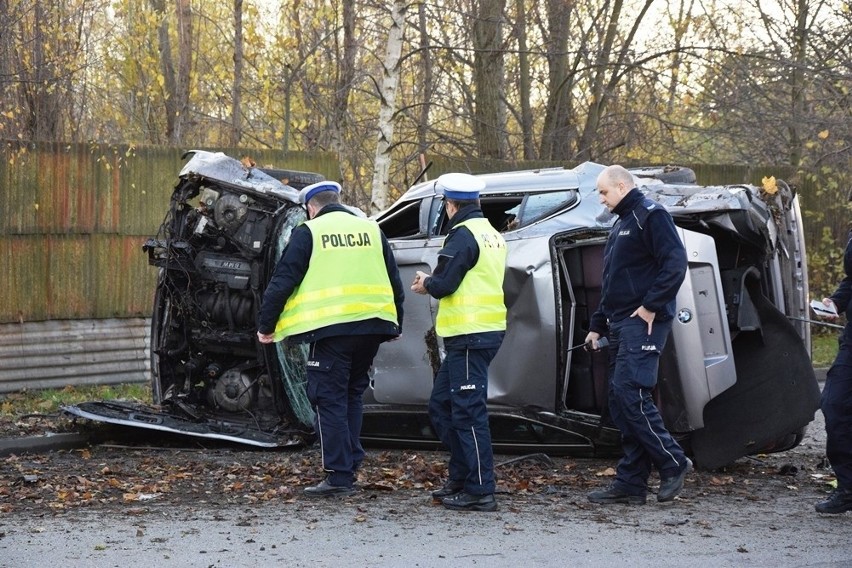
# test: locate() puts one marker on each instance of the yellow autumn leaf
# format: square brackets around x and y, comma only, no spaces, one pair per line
[823,135]
[769,185]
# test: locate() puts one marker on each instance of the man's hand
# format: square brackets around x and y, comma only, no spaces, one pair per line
[646,315]
[829,303]
[419,279]
[592,337]
[265,337]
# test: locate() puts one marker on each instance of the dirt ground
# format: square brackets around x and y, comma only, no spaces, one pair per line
[756,511]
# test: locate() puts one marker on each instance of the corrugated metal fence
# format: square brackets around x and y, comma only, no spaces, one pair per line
[53,354]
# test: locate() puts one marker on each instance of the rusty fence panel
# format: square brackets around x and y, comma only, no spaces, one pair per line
[58,353]
[73,218]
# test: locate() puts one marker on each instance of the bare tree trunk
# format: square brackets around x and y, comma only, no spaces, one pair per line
[236,90]
[489,121]
[426,81]
[346,75]
[42,93]
[524,81]
[797,81]
[166,67]
[184,21]
[379,198]
[176,83]
[8,90]
[558,132]
[680,26]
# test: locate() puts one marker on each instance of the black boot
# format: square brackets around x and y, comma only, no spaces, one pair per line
[325,489]
[670,488]
[462,501]
[839,501]
[450,488]
[614,494]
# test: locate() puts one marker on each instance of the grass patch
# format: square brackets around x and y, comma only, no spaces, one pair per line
[49,400]
[823,349]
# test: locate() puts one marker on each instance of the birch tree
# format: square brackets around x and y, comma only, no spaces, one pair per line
[379,197]
[237,87]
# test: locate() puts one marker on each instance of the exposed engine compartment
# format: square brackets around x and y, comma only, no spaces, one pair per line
[216,250]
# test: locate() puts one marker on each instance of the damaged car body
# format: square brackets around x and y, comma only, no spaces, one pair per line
[735,377]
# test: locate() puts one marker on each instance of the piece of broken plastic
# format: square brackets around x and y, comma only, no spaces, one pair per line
[822,310]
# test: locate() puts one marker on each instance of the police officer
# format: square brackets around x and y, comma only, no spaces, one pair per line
[468,282]
[837,398]
[337,288]
[644,266]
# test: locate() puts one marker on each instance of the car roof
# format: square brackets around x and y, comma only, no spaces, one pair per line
[524,181]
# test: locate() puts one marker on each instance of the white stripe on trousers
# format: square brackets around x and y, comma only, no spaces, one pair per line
[648,422]
[472,430]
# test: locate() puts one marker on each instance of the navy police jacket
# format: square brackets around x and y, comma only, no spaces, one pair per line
[644,263]
[291,270]
[842,297]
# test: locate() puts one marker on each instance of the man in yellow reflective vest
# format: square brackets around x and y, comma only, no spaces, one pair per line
[468,282]
[337,288]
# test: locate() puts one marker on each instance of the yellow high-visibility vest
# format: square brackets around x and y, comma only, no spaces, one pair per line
[477,305]
[346,281]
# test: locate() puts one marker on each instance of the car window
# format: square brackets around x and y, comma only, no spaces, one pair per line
[540,205]
[402,221]
[508,212]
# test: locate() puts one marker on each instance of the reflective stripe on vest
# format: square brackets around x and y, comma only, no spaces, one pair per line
[346,281]
[477,304]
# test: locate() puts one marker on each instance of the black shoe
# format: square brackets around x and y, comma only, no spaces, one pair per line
[670,487]
[839,501]
[449,489]
[613,494]
[325,489]
[462,501]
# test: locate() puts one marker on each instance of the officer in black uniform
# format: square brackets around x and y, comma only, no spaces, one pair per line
[837,398]
[644,266]
[468,281]
[337,288]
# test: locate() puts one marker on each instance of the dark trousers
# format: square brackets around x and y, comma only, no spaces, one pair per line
[337,370]
[837,408]
[634,359]
[459,413]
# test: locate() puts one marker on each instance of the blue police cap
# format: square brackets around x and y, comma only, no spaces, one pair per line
[459,186]
[311,190]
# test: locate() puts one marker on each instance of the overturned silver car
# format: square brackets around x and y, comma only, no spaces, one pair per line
[735,377]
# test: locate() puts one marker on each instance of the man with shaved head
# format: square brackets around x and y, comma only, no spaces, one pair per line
[644,266]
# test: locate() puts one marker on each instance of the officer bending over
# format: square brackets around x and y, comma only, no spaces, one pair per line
[337,288]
